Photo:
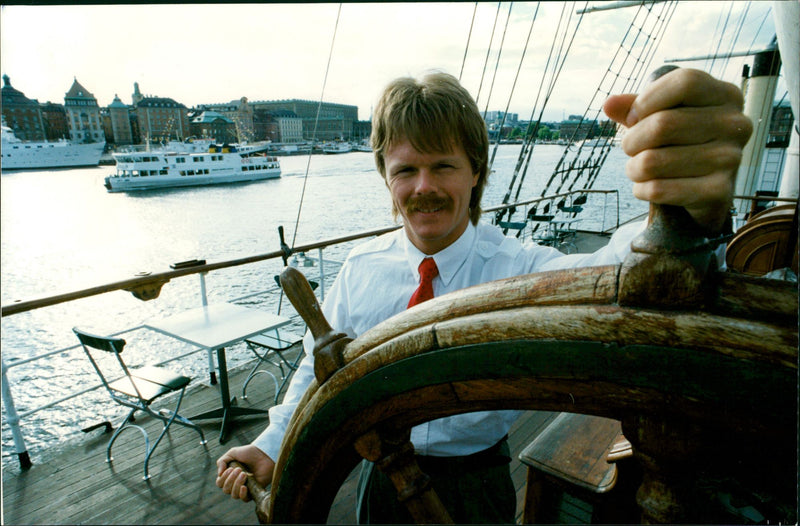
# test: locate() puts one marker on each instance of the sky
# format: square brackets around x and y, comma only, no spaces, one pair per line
[213,53]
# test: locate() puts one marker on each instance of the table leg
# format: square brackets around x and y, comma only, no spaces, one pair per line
[211,372]
[228,410]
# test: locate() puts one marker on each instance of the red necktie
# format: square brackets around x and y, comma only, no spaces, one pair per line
[427,271]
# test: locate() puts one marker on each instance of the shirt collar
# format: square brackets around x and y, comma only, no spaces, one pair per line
[448,260]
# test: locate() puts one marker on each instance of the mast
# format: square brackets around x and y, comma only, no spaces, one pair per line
[759,98]
[787,15]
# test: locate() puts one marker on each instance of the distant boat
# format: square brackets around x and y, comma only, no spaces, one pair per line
[361,147]
[337,147]
[596,142]
[22,155]
[201,145]
[152,170]
[290,149]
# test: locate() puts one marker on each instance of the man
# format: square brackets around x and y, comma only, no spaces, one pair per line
[686,133]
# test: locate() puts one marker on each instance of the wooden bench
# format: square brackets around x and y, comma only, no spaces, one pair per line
[570,477]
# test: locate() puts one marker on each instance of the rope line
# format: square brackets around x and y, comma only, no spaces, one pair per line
[488,52]
[313,141]
[316,124]
[514,85]
[469,38]
[497,62]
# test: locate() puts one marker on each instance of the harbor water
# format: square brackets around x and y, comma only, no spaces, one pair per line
[61,231]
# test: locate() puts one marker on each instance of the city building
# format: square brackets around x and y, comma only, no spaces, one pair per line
[213,125]
[289,125]
[54,117]
[362,130]
[241,114]
[336,121]
[120,123]
[83,115]
[159,118]
[21,114]
[576,129]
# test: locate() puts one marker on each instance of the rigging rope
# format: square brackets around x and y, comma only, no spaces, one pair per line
[632,58]
[316,123]
[313,140]
[488,52]
[497,63]
[636,71]
[469,38]
[530,136]
[514,85]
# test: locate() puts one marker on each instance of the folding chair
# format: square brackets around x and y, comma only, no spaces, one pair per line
[518,226]
[575,208]
[136,389]
[274,343]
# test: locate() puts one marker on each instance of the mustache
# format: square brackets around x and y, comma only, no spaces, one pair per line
[426,202]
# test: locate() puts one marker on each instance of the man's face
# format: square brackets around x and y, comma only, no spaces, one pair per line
[432,192]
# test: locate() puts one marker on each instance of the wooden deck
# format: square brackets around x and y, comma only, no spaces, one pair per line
[77,486]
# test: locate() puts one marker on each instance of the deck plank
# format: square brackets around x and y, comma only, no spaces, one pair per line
[77,486]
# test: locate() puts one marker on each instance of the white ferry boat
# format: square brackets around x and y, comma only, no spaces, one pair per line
[164,169]
[22,155]
[337,147]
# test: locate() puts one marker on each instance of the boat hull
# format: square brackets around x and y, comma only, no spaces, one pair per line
[140,171]
[134,184]
[41,155]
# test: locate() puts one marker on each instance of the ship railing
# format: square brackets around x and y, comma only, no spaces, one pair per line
[148,287]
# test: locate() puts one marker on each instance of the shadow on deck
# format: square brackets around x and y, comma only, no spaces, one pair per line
[76,486]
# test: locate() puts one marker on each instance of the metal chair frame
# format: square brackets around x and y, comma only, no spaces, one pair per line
[137,389]
[274,342]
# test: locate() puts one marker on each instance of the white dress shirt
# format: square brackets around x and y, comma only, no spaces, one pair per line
[376,282]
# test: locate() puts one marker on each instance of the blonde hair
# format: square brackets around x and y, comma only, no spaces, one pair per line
[433,114]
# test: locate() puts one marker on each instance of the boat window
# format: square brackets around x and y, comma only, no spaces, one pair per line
[197,159]
[162,172]
[180,159]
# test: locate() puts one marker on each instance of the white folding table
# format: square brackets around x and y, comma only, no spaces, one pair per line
[214,327]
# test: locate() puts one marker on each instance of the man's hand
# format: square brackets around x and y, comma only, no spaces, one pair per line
[232,480]
[685,139]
